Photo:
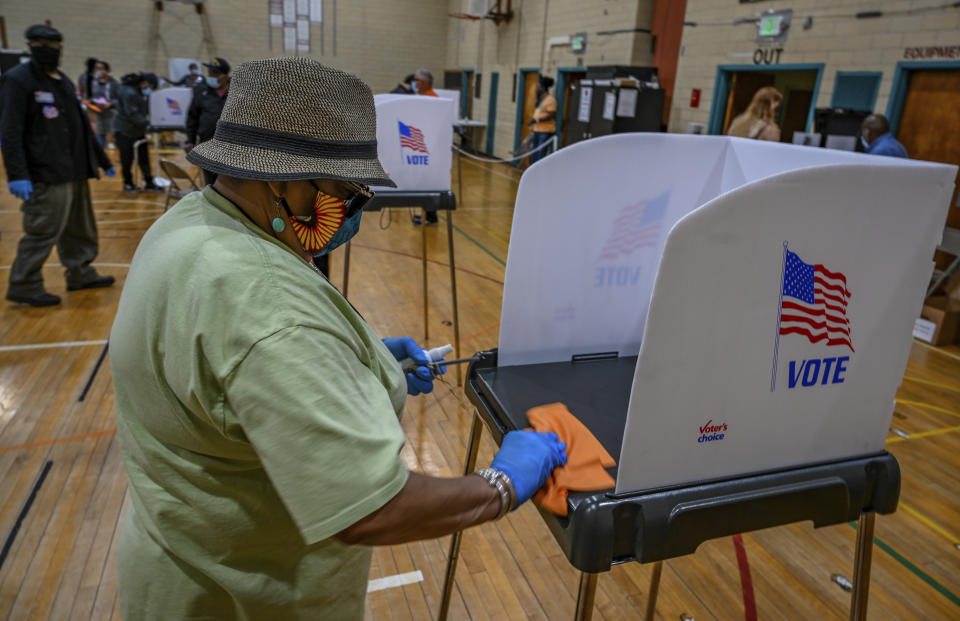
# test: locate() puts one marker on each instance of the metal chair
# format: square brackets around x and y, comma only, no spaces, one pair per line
[951,245]
[174,171]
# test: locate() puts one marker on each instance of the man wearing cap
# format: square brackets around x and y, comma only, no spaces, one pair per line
[49,151]
[206,106]
[257,412]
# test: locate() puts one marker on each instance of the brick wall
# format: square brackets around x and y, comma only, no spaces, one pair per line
[522,44]
[379,41]
[841,43]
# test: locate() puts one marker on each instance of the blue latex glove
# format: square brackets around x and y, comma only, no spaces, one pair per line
[110,172]
[22,189]
[420,380]
[528,458]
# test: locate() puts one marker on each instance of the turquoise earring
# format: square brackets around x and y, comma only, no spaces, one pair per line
[278,224]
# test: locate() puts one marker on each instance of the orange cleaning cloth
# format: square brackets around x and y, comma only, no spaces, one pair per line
[587,460]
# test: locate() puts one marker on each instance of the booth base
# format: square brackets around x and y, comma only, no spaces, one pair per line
[603,529]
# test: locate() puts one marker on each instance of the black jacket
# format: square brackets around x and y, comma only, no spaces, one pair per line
[34,133]
[205,109]
[131,119]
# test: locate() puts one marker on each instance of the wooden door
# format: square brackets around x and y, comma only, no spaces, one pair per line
[930,125]
[469,111]
[529,102]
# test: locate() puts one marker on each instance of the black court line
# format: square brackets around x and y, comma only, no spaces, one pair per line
[23,513]
[93,374]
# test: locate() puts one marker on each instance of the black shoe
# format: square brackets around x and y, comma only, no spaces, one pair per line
[130,188]
[44,299]
[417,220]
[97,283]
[152,187]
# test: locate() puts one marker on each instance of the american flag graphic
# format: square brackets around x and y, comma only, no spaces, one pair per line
[412,138]
[174,106]
[637,226]
[814,302]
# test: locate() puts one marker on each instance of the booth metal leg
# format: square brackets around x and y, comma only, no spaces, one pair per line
[423,252]
[346,269]
[654,591]
[861,567]
[453,292]
[469,466]
[585,596]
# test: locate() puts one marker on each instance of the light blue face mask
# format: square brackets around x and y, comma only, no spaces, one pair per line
[213,82]
[147,91]
[349,228]
[863,141]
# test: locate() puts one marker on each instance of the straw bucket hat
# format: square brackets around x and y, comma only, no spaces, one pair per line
[291,119]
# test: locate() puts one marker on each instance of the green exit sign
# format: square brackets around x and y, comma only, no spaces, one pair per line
[578,43]
[770,26]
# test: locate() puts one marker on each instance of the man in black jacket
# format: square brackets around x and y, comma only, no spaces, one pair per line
[130,126]
[49,151]
[206,106]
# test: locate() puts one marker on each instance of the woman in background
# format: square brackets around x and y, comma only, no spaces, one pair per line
[757,122]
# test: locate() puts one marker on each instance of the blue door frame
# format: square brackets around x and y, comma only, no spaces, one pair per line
[521,94]
[492,111]
[721,89]
[560,92]
[465,93]
[878,75]
[901,84]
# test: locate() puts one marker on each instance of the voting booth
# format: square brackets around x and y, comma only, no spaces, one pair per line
[730,318]
[414,139]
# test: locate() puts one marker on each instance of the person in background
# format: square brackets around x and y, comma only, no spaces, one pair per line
[206,106]
[104,91]
[876,138]
[425,83]
[49,152]
[757,121]
[85,79]
[543,122]
[130,125]
[405,87]
[191,79]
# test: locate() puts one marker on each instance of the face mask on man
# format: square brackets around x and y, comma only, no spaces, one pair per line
[194,71]
[213,82]
[146,91]
[47,57]
[863,141]
[414,86]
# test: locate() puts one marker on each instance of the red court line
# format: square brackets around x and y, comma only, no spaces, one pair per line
[86,436]
[418,258]
[480,333]
[746,583]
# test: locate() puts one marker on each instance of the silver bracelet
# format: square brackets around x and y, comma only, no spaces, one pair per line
[502,483]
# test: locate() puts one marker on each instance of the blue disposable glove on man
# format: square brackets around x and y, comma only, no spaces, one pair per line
[420,380]
[22,189]
[110,172]
[528,458]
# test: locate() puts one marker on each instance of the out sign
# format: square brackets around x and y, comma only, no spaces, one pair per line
[767,56]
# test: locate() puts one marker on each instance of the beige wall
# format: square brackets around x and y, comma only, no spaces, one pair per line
[521,44]
[841,43]
[379,40]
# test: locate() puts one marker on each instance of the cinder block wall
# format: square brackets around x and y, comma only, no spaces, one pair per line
[522,44]
[842,43]
[381,41]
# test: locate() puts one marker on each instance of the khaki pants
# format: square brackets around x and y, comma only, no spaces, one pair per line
[56,214]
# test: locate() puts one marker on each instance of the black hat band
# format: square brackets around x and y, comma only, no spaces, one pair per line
[308,146]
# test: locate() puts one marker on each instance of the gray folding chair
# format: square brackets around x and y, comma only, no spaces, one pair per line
[951,245]
[176,191]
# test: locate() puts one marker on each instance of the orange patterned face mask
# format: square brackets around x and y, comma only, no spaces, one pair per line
[330,213]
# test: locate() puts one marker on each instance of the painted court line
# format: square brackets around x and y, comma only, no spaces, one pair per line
[52,345]
[936,349]
[924,434]
[23,513]
[30,445]
[390,582]
[953,539]
[954,387]
[929,406]
[95,264]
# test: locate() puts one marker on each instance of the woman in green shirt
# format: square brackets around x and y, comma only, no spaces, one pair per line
[258,413]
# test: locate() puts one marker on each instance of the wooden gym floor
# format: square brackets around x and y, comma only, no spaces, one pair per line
[63,488]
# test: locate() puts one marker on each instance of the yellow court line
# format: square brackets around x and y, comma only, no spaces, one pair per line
[950,536]
[929,406]
[924,434]
[929,383]
[936,349]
